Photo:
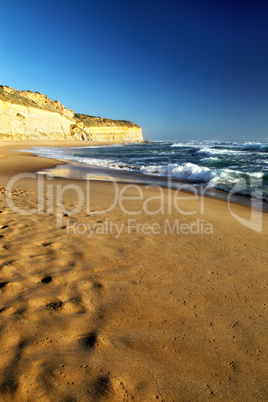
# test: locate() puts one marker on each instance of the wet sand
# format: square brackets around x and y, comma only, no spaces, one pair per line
[149,314]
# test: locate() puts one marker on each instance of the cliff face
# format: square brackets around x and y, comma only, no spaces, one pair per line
[19,122]
[26,115]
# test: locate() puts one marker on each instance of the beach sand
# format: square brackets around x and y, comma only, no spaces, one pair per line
[90,315]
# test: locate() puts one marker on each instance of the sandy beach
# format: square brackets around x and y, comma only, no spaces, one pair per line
[114,303]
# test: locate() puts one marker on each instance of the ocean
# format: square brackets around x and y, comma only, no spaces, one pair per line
[229,166]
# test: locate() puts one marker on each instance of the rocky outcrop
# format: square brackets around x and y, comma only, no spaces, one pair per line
[26,115]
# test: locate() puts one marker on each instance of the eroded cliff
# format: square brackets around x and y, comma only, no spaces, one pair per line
[26,115]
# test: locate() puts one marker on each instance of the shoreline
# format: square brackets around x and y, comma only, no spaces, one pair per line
[79,171]
[32,163]
[69,169]
[149,297]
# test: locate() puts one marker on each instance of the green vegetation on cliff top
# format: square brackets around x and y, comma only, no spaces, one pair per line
[90,121]
[21,98]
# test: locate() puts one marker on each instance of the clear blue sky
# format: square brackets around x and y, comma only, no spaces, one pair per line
[180,69]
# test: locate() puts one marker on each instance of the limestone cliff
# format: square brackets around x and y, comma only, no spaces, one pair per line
[26,115]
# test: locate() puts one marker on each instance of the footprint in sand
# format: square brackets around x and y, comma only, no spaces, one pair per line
[46,244]
[102,387]
[46,280]
[55,305]
[89,341]
[97,285]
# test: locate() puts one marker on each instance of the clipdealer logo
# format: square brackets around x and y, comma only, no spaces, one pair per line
[173,198]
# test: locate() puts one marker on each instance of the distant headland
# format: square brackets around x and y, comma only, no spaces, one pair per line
[26,115]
